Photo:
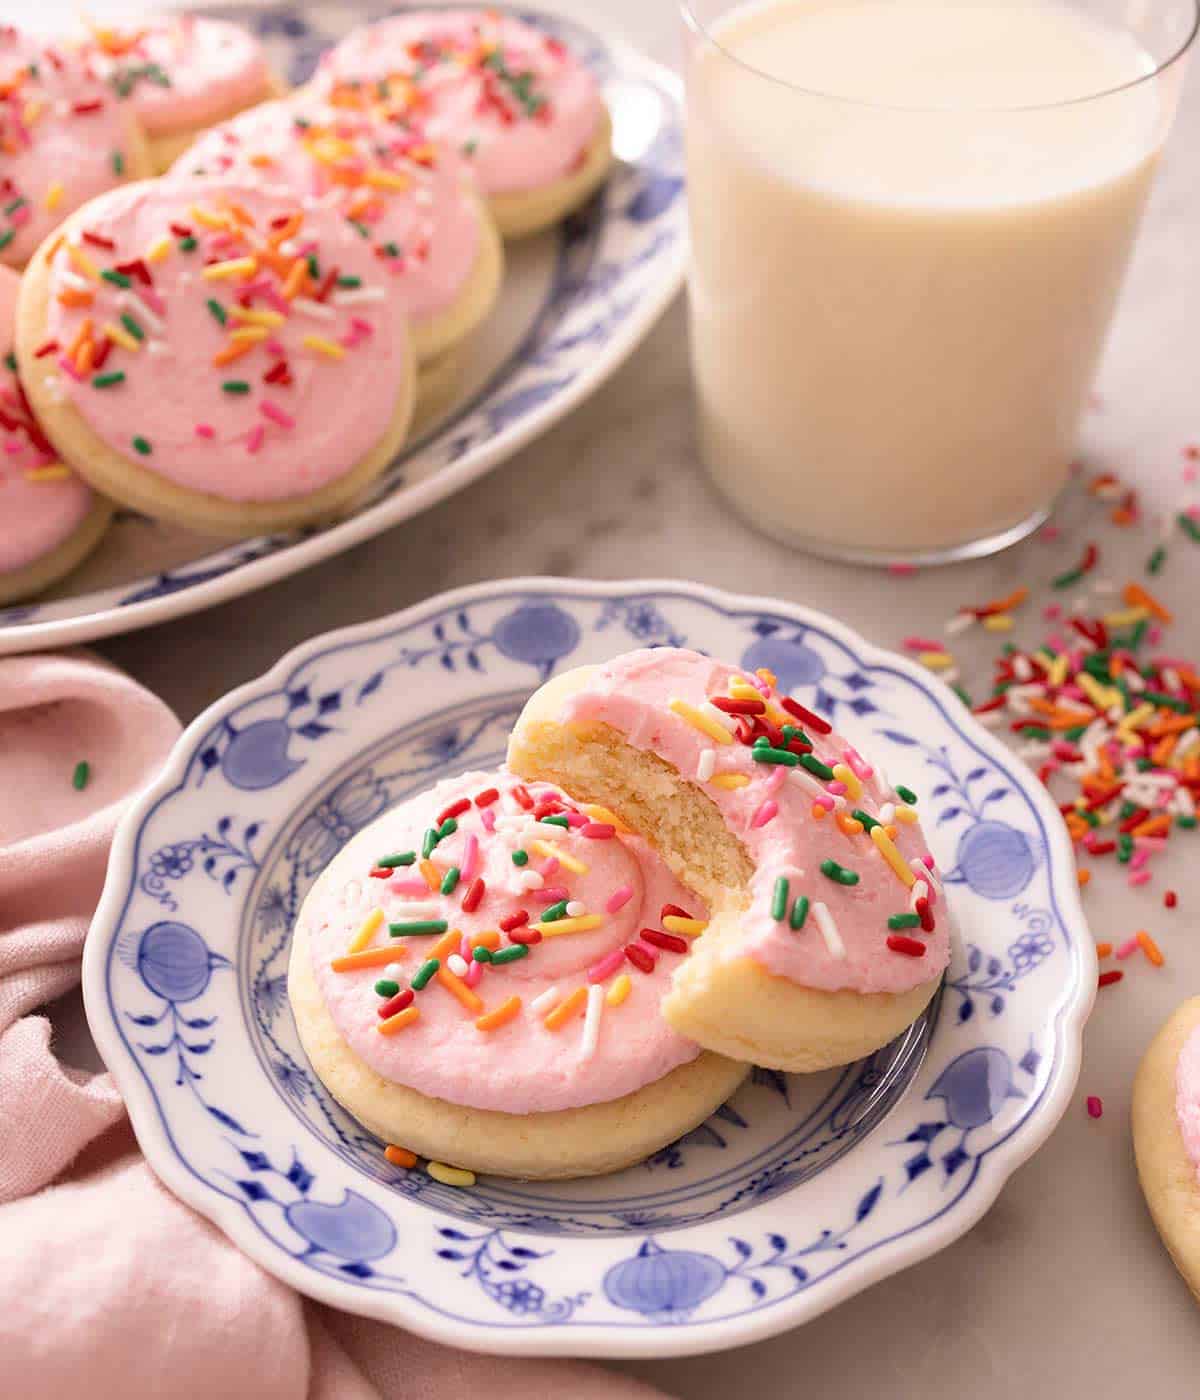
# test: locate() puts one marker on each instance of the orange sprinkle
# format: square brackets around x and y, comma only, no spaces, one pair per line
[83,357]
[493,1020]
[1150,948]
[400,1156]
[1162,752]
[285,231]
[1104,950]
[818,811]
[232,350]
[562,1013]
[447,944]
[243,216]
[75,296]
[459,990]
[1153,826]
[1137,597]
[1084,876]
[398,1021]
[1170,724]
[849,825]
[83,333]
[261,160]
[489,938]
[370,957]
[59,239]
[294,279]
[431,875]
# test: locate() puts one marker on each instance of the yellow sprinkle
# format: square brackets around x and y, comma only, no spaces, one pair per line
[1136,718]
[51,472]
[208,219]
[767,676]
[32,110]
[845,774]
[387,180]
[1127,617]
[582,924]
[730,780]
[231,267]
[54,195]
[700,721]
[1101,696]
[1058,671]
[366,932]
[552,852]
[249,335]
[743,690]
[121,336]
[998,622]
[893,857]
[256,318]
[432,875]
[778,717]
[81,262]
[450,1176]
[323,346]
[158,250]
[619,990]
[936,660]
[605,814]
[906,815]
[689,928]
[1044,656]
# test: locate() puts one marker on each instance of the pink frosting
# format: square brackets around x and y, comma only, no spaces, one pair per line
[1187,1097]
[38,514]
[426,234]
[519,103]
[63,140]
[290,432]
[181,71]
[522,1067]
[773,817]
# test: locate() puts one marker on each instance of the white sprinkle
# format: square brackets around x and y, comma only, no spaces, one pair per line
[591,1021]
[1034,748]
[829,931]
[1104,585]
[394,971]
[806,780]
[75,281]
[705,765]
[457,964]
[420,910]
[926,874]
[531,880]
[710,711]
[1133,680]
[575,908]
[1171,680]
[990,719]
[958,623]
[951,676]
[53,387]
[1189,741]
[920,890]
[1022,668]
[887,813]
[156,347]
[355,296]
[544,1001]
[316,309]
[130,301]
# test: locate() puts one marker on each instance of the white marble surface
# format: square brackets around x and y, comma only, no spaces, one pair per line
[1063,1288]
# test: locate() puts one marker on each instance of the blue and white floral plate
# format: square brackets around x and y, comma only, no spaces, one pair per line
[575,304]
[798,1193]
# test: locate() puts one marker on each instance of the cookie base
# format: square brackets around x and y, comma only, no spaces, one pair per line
[1167,1175]
[164,149]
[24,583]
[572,1142]
[434,335]
[525,212]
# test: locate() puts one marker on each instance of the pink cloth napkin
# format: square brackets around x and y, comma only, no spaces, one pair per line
[109,1286]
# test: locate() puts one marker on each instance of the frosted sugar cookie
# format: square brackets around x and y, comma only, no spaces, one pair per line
[411,202]
[179,74]
[477,975]
[216,355]
[64,138]
[829,932]
[516,102]
[1166,1137]
[52,520]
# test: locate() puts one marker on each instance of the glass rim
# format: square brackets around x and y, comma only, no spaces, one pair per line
[703,31]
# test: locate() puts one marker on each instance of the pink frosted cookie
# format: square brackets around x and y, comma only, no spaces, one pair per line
[64,138]
[829,931]
[518,103]
[477,977]
[192,348]
[411,202]
[51,518]
[180,74]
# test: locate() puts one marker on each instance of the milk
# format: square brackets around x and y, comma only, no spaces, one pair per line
[899,294]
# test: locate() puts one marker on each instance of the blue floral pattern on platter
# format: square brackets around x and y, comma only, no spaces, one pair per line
[615,264]
[798,1191]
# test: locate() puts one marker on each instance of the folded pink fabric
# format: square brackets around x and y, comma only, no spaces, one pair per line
[108,1284]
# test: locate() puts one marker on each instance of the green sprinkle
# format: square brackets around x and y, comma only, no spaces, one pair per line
[392,249]
[359,227]
[816,767]
[520,857]
[188,244]
[481,954]
[470,147]
[217,310]
[235,386]
[349,282]
[385,987]
[556,821]
[906,795]
[400,858]
[83,771]
[513,954]
[429,843]
[106,381]
[1185,821]
[799,912]
[1138,635]
[7,237]
[118,279]
[555,911]
[118,163]
[782,758]
[423,974]
[762,742]
[1127,810]
[450,879]
[904,921]
[16,204]
[314,267]
[779,898]
[417,928]
[132,326]
[838,873]
[1155,562]
[142,445]
[447,828]
[1170,702]
[10,362]
[860,816]
[1188,526]
[1124,847]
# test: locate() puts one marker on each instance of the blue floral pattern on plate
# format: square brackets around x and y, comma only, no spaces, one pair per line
[799,1191]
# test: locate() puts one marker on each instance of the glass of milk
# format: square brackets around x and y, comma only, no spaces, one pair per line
[910,222]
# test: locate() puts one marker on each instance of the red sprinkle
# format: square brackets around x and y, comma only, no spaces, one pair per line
[673,909]
[521,793]
[97,240]
[1095,1107]
[102,354]
[925,914]
[47,347]
[525,935]
[598,831]
[512,921]
[487,797]
[180,230]
[83,108]
[1108,978]
[738,707]
[911,947]
[382,872]
[455,809]
[397,1003]
[1170,899]
[639,957]
[470,900]
[670,941]
[806,717]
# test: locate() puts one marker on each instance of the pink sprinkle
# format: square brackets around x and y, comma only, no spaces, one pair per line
[575,819]
[205,430]
[1139,859]
[364,328]
[255,439]
[823,801]
[922,644]
[902,570]
[1057,641]
[474,972]
[464,948]
[68,368]
[858,764]
[650,952]
[1148,845]
[550,866]
[1189,474]
[775,781]
[1094,1107]
[1052,612]
[153,300]
[408,886]
[277,302]
[618,899]
[765,813]
[1050,532]
[488,818]
[837,787]
[553,893]
[1138,877]
[276,414]
[599,831]
[276,348]
[470,857]
[1154,635]
[607,965]
[1128,948]
[20,216]
[928,861]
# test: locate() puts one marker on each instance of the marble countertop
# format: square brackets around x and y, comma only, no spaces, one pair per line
[1063,1288]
